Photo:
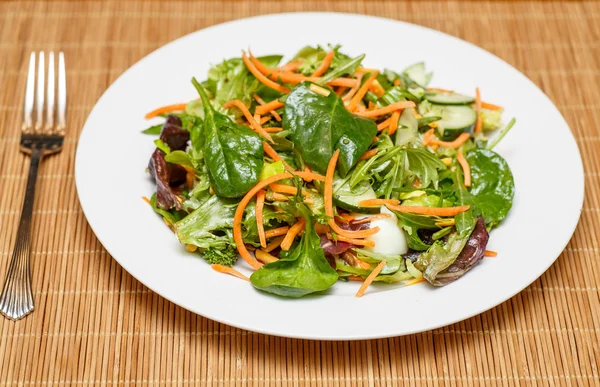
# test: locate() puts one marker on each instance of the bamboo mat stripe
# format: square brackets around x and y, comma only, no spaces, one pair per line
[96,325]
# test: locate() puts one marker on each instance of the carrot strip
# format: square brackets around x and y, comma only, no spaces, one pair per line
[447,161]
[191,248]
[274,75]
[274,232]
[328,203]
[377,202]
[264,119]
[166,109]
[387,109]
[291,66]
[307,169]
[228,270]
[324,65]
[460,140]
[428,136]
[273,130]
[354,89]
[274,244]
[370,278]
[340,90]
[346,82]
[309,176]
[271,152]
[384,124]
[267,107]
[264,256]
[490,253]
[491,106]
[370,218]
[414,281]
[479,122]
[360,93]
[465,166]
[434,211]
[260,203]
[347,217]
[255,124]
[239,213]
[393,123]
[278,197]
[292,233]
[282,188]
[397,82]
[377,89]
[368,154]
[321,228]
[146,200]
[262,103]
[439,90]
[261,78]
[355,278]
[356,241]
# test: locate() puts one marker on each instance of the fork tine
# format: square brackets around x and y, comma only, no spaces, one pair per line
[39,118]
[62,92]
[50,93]
[29,93]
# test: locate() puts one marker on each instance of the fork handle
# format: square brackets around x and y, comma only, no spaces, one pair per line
[16,300]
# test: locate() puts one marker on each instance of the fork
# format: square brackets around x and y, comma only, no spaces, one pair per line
[38,139]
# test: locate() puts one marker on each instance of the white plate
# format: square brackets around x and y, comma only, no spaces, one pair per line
[113,154]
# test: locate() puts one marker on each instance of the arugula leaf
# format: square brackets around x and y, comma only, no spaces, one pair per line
[154,129]
[302,271]
[312,57]
[180,157]
[233,153]
[319,125]
[425,165]
[347,68]
[492,185]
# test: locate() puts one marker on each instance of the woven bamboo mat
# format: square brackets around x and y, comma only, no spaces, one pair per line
[94,324]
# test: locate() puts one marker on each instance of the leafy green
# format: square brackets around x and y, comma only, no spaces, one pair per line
[501,135]
[154,129]
[346,68]
[162,146]
[233,153]
[171,215]
[411,224]
[425,165]
[272,169]
[319,125]
[209,226]
[440,256]
[271,219]
[231,80]
[492,185]
[312,57]
[490,119]
[393,262]
[303,271]
[465,221]
[180,157]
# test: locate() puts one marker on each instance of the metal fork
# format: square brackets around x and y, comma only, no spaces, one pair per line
[38,139]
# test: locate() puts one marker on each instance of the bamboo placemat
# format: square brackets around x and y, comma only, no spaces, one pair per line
[94,324]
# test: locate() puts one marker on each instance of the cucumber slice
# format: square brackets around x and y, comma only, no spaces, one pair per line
[407,127]
[456,119]
[348,198]
[417,73]
[449,98]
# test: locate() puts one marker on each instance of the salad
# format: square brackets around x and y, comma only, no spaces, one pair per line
[321,170]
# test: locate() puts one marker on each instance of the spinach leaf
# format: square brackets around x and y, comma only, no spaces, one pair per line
[492,185]
[303,271]
[233,153]
[425,165]
[154,129]
[319,125]
[232,80]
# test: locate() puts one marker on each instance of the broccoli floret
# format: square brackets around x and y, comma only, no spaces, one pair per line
[227,256]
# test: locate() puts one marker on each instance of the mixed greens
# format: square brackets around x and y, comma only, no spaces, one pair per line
[320,170]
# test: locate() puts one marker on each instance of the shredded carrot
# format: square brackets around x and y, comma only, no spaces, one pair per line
[387,109]
[321,228]
[355,278]
[370,278]
[282,188]
[261,78]
[377,89]
[276,232]
[273,129]
[274,75]
[384,124]
[375,139]
[264,256]
[490,253]
[491,106]
[447,161]
[292,233]
[352,260]
[255,124]
[346,82]
[166,109]
[356,241]
[264,119]
[397,82]
[278,197]
[263,103]
[360,93]
[260,203]
[414,281]
[465,166]
[228,270]
[239,213]
[434,211]
[460,140]
[328,204]
[479,122]
[347,217]
[309,176]
[371,218]
[340,90]
[445,223]
[146,200]
[354,89]
[368,154]
[428,137]
[267,107]
[308,170]
[324,65]
[271,152]
[274,244]
[393,123]
[377,202]
[439,90]
[291,66]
